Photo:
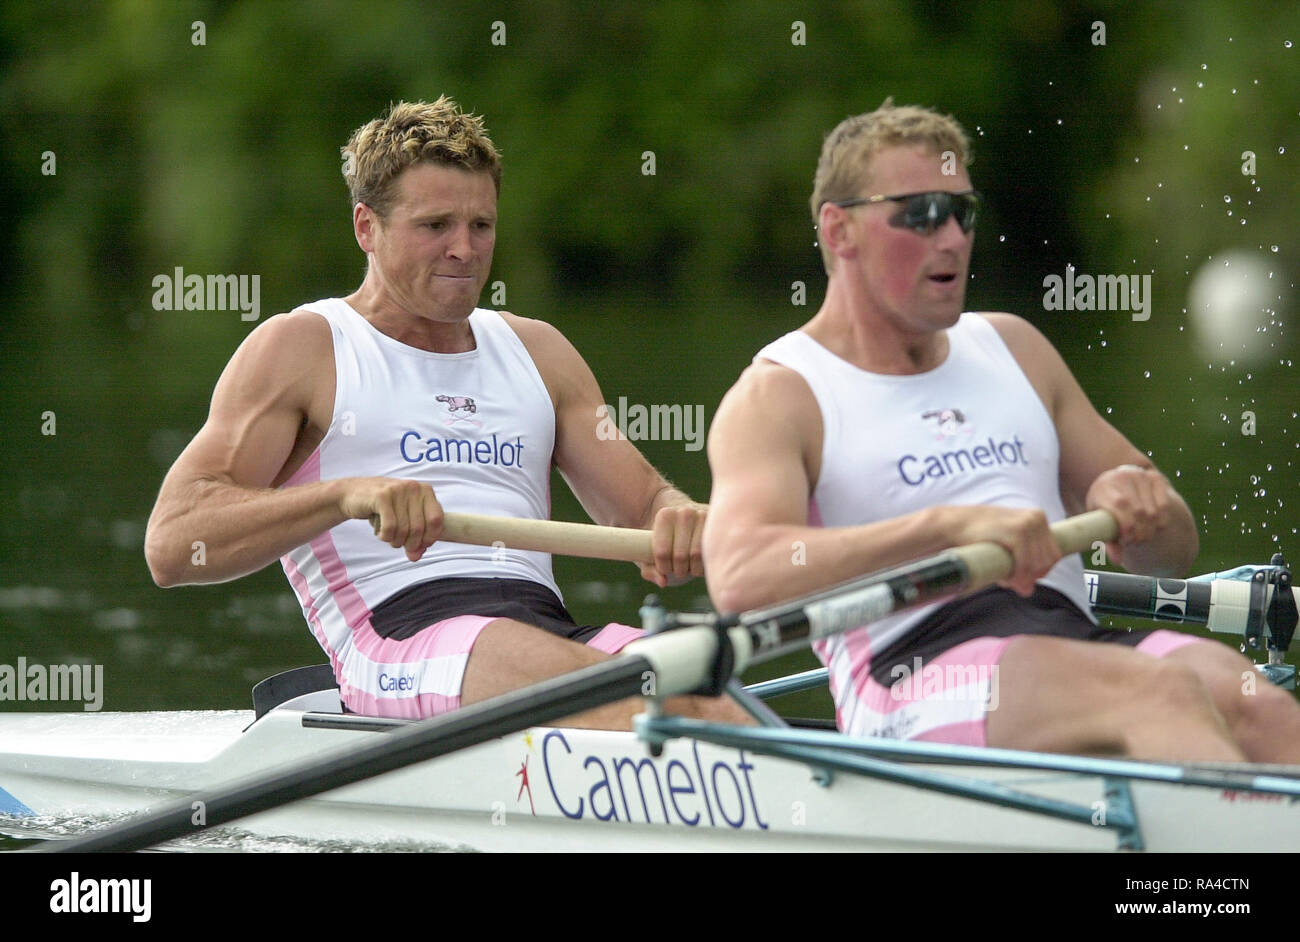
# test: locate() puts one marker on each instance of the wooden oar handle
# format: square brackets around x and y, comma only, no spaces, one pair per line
[547,536]
[989,562]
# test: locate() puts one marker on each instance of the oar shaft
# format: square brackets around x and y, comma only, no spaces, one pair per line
[1221,605]
[842,608]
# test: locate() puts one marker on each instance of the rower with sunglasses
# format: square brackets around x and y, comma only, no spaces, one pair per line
[892,426]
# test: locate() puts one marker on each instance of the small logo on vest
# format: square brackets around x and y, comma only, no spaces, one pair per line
[460,409]
[948,421]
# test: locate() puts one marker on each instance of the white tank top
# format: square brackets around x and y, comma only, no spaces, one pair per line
[970,431]
[477,426]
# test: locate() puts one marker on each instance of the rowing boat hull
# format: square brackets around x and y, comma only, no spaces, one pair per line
[577,790]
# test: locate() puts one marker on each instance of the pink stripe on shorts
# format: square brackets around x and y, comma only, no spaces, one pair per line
[948,698]
[1162,642]
[433,666]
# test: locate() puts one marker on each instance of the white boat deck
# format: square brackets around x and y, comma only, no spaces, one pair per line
[182,736]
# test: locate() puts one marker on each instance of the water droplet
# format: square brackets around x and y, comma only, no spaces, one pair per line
[1273,247]
[1003,238]
[1146,373]
[1109,410]
[1287,43]
[1281,150]
[1227,198]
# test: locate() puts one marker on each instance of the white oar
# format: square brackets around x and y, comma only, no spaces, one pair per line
[682,661]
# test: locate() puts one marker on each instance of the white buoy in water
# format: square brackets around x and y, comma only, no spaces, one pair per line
[1235,308]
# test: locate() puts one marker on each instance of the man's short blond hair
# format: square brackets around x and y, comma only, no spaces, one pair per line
[414,132]
[845,164]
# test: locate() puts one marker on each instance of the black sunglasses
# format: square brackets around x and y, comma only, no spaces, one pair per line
[923,213]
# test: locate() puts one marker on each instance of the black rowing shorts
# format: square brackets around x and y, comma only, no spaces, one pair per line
[416,607]
[995,612]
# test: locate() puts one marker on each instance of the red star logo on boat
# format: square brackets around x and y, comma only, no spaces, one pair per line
[524,786]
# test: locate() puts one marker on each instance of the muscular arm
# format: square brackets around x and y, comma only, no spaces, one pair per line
[609,476]
[220,490]
[764,450]
[1100,468]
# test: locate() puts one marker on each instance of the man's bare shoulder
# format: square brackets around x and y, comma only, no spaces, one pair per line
[774,390]
[770,411]
[286,343]
[541,338]
[1021,337]
[290,354]
[566,374]
[297,326]
[1040,361]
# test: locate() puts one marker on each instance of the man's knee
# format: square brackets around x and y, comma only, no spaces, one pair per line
[1163,702]
[1262,707]
[1242,693]
[1167,685]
